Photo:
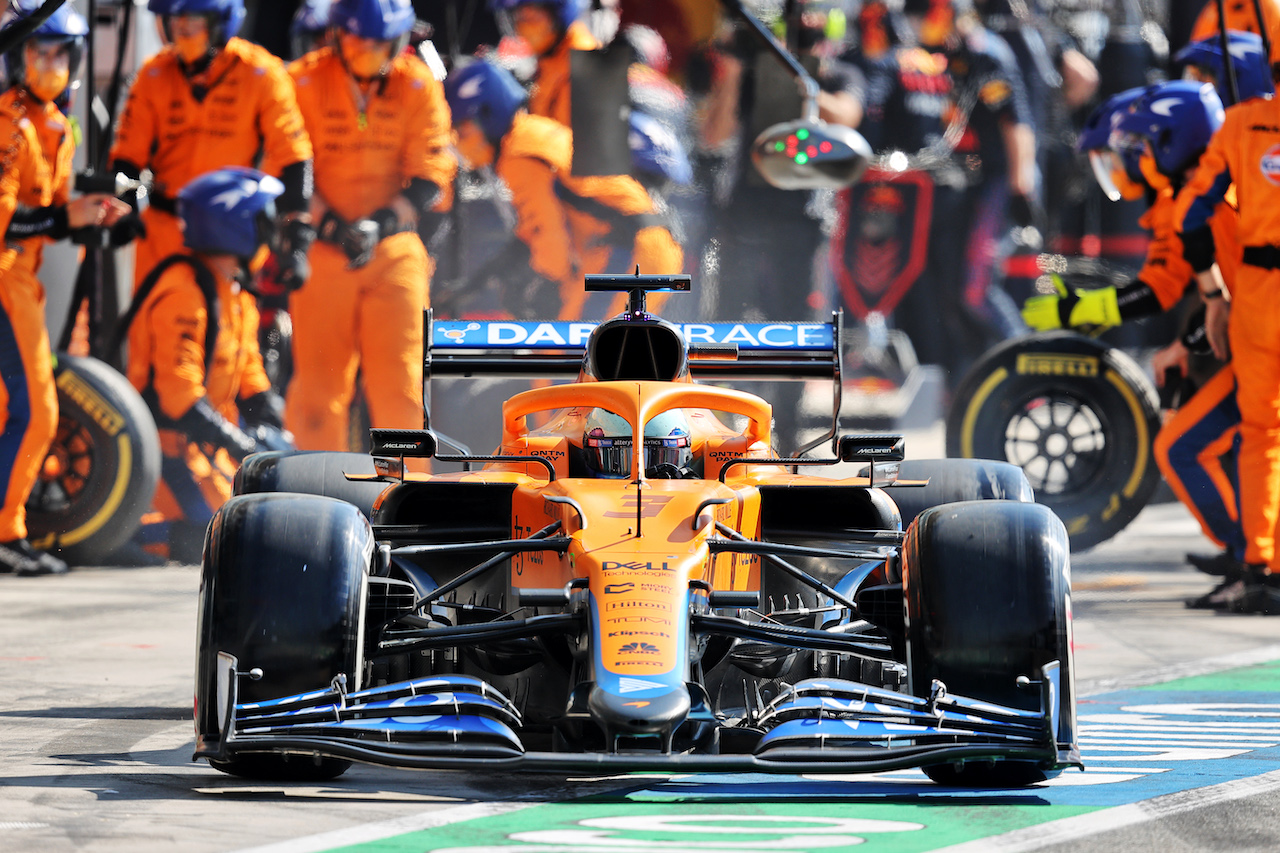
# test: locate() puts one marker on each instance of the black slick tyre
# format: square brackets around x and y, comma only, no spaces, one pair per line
[102,468]
[1076,416]
[316,472]
[283,588]
[986,586]
[957,480]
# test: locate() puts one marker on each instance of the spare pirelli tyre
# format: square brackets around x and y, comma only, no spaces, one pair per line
[1076,416]
[101,471]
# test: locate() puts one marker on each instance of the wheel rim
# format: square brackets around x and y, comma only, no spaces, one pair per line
[1059,441]
[67,469]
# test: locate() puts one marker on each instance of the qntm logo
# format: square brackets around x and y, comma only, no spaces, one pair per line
[719,833]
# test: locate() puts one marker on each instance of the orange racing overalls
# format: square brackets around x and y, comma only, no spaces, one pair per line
[549,95]
[167,364]
[28,397]
[244,114]
[572,224]
[367,318]
[1246,151]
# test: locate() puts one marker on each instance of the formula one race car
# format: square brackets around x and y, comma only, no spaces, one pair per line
[640,583]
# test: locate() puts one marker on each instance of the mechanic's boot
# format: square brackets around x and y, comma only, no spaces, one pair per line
[1221,565]
[19,558]
[1261,594]
[1224,596]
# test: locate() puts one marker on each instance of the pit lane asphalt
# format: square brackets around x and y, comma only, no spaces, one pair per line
[95,709]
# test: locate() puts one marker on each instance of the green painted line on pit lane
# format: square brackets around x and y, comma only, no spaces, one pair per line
[1262,678]
[784,813]
[621,825]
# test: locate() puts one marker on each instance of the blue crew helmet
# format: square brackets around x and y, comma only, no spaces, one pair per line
[486,94]
[1253,70]
[65,27]
[1117,172]
[226,16]
[607,445]
[229,211]
[1176,119]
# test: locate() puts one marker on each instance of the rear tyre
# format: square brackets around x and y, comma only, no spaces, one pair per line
[313,472]
[102,467]
[987,594]
[953,480]
[1076,416]
[283,588]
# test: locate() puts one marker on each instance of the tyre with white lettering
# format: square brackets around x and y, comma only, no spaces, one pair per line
[102,468]
[283,587]
[1078,417]
[986,591]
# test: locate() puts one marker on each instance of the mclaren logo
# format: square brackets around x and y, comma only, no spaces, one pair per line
[1047,364]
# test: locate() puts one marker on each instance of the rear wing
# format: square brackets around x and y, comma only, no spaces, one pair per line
[716,351]
[548,349]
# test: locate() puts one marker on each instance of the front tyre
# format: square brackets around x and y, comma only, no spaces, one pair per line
[102,468]
[1076,416]
[986,586]
[282,588]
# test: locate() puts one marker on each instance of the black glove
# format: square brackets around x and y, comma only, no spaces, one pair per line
[264,408]
[203,424]
[293,268]
[358,239]
[127,229]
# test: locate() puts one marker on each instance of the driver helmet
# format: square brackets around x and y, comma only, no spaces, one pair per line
[607,443]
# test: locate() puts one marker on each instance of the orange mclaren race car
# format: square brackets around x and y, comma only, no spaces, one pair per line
[641,583]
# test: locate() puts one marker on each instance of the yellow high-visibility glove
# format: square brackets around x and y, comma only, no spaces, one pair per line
[1098,308]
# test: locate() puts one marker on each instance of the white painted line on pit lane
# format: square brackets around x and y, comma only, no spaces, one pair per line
[368,832]
[1203,666]
[1075,828]
[386,829]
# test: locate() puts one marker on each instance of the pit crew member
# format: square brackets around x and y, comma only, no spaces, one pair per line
[193,355]
[572,225]
[551,29]
[1135,151]
[210,99]
[381,129]
[36,149]
[1243,318]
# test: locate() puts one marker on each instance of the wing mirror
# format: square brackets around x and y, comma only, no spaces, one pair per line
[871,448]
[418,443]
[809,154]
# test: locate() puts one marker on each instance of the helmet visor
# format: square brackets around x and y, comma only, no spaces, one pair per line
[1110,173]
[608,456]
